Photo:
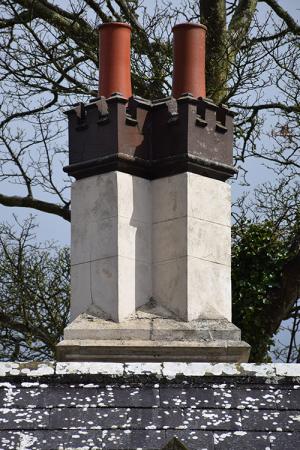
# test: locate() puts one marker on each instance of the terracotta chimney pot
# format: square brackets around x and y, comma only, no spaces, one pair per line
[114,59]
[189,59]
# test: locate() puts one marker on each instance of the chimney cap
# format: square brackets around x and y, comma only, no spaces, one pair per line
[189,25]
[109,24]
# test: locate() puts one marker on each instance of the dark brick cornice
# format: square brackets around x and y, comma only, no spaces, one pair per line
[150,139]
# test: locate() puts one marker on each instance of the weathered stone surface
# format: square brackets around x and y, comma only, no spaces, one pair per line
[147,324]
[111,244]
[34,368]
[157,330]
[105,368]
[138,350]
[208,199]
[137,242]
[38,373]
[192,246]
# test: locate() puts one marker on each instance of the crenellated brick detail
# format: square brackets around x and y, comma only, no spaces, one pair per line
[150,139]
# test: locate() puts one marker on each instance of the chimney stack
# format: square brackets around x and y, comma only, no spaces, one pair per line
[150,244]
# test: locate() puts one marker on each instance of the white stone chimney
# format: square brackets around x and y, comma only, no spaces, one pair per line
[151,221]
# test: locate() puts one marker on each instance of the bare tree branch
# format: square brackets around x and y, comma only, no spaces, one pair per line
[74,26]
[284,15]
[40,205]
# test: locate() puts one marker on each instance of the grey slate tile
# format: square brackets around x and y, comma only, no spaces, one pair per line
[155,418]
[212,419]
[186,397]
[227,397]
[241,440]
[285,441]
[132,439]
[83,414]
[249,398]
[23,419]
[18,397]
[50,440]
[102,397]
[87,418]
[270,420]
[287,398]
[198,440]
[188,419]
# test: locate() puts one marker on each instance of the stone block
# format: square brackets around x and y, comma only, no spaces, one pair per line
[287,369]
[134,240]
[209,241]
[102,396]
[187,236]
[169,197]
[253,399]
[189,194]
[81,297]
[143,369]
[90,368]
[95,198]
[116,286]
[170,285]
[208,199]
[135,285]
[152,351]
[170,240]
[208,290]
[193,288]
[93,240]
[104,287]
[91,327]
[134,197]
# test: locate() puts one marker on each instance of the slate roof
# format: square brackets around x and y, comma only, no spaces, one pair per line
[143,406]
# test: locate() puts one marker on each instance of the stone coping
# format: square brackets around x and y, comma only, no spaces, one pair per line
[166,370]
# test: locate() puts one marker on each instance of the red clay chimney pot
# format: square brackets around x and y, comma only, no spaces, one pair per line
[114,59]
[189,59]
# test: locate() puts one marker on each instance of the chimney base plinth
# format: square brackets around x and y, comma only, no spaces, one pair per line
[150,336]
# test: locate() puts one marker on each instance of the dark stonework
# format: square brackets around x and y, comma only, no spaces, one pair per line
[78,408]
[150,139]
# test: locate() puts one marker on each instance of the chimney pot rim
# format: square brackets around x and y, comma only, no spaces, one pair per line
[189,25]
[113,24]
